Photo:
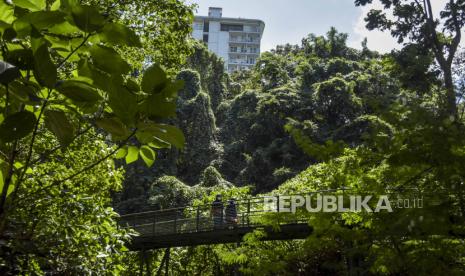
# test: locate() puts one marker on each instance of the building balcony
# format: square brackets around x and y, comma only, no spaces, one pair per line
[240,62]
[245,32]
[244,53]
[244,41]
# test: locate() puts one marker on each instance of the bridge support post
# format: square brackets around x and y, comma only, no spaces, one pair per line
[277,203]
[248,212]
[168,250]
[148,259]
[175,220]
[164,262]
[154,224]
[142,257]
[277,206]
[197,219]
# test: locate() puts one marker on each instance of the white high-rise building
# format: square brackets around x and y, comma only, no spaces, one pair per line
[236,40]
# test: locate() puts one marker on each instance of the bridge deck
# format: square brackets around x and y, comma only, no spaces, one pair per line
[195,225]
[220,236]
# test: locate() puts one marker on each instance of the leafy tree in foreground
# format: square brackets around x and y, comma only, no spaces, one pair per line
[61,74]
[414,23]
[68,228]
[164,27]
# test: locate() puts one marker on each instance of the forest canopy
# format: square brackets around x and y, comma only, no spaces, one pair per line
[105,112]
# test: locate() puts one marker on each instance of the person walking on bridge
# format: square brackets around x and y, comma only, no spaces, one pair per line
[217,212]
[231,213]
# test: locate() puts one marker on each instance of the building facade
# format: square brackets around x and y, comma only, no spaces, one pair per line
[236,40]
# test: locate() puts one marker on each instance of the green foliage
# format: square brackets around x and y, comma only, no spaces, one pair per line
[415,22]
[336,101]
[168,192]
[333,45]
[271,70]
[192,84]
[57,122]
[163,30]
[68,227]
[79,84]
[212,74]
[16,126]
[69,101]
[211,178]
[369,123]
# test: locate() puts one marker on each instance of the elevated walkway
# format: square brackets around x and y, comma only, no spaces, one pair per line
[194,225]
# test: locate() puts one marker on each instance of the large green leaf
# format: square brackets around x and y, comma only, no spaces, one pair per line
[154,79]
[159,144]
[114,126]
[63,28]
[171,134]
[148,155]
[133,154]
[21,58]
[8,72]
[40,20]
[166,133]
[17,126]
[21,92]
[87,18]
[2,182]
[121,153]
[99,78]
[158,105]
[171,89]
[79,91]
[108,60]
[123,103]
[61,45]
[32,5]
[6,12]
[44,70]
[119,34]
[132,85]
[56,5]
[58,123]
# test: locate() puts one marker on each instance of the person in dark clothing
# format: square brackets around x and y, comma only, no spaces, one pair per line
[231,213]
[217,212]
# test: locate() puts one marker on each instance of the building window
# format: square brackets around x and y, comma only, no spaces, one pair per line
[231,27]
[233,49]
[205,38]
[206,26]
[198,26]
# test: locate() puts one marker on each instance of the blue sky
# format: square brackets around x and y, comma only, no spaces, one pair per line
[288,21]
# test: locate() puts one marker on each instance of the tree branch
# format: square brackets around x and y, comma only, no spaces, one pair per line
[4,155]
[90,166]
[437,45]
[422,9]
[74,51]
[458,34]
[414,178]
[8,179]
[7,101]
[31,144]
[50,152]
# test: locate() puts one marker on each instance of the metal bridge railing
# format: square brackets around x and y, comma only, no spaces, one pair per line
[250,213]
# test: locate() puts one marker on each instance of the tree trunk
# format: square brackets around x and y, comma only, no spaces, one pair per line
[450,97]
